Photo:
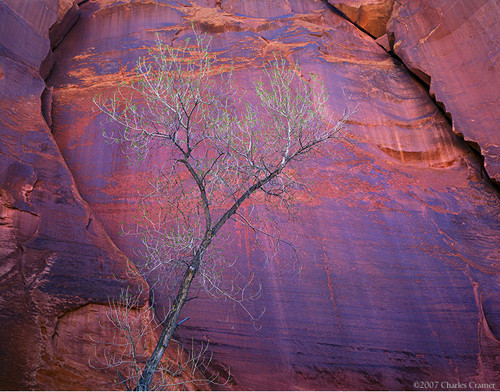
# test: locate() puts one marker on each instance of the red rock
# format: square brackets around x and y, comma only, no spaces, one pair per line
[370,15]
[67,15]
[74,351]
[55,257]
[452,45]
[398,244]
[383,41]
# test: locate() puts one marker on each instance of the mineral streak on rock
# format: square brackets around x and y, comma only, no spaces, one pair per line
[398,244]
[454,45]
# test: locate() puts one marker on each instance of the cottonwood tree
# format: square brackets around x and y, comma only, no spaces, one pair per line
[130,328]
[217,153]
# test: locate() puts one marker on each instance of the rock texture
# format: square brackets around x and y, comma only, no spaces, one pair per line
[55,257]
[398,245]
[398,241]
[370,15]
[452,47]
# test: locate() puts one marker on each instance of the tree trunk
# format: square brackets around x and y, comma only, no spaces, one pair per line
[169,327]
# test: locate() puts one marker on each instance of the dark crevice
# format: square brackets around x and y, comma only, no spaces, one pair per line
[29,192]
[341,14]
[46,102]
[57,32]
[13,207]
[471,145]
[46,65]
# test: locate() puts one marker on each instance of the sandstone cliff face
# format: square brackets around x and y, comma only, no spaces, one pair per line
[450,46]
[55,257]
[398,244]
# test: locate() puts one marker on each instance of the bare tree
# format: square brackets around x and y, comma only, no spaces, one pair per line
[217,154]
[133,330]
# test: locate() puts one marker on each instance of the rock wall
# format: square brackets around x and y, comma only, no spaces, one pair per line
[397,243]
[55,257]
[451,46]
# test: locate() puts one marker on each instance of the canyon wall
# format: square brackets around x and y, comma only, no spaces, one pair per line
[56,261]
[397,273]
[449,46]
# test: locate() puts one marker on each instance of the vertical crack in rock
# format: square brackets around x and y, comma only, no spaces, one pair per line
[88,224]
[480,364]
[46,105]
[68,15]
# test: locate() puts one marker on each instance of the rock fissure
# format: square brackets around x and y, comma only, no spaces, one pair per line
[13,207]
[337,10]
